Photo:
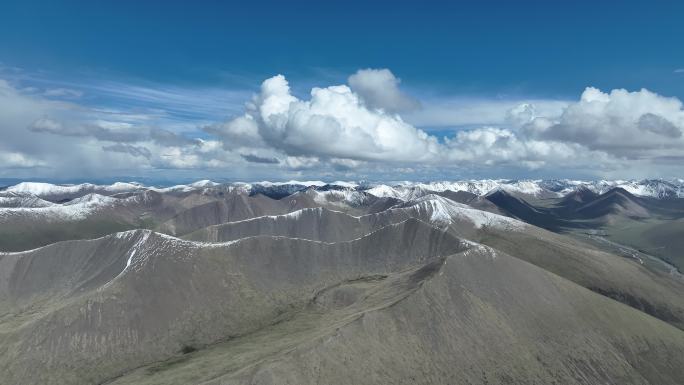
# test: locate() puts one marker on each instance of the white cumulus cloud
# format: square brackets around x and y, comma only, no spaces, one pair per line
[622,123]
[334,122]
[379,88]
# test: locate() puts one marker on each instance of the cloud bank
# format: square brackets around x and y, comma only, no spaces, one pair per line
[633,125]
[368,128]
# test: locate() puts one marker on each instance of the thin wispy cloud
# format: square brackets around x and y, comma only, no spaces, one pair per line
[167,104]
[63,93]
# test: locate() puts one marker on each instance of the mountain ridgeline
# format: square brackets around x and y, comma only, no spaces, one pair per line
[466,282]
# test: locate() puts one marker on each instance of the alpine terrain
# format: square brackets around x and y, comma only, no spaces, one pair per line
[460,282]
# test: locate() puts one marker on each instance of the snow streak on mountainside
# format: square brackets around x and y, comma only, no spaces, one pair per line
[444,211]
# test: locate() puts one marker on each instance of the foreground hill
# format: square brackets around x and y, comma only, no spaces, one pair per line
[462,319]
[277,310]
[140,297]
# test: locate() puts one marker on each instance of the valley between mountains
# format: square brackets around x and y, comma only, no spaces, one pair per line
[466,282]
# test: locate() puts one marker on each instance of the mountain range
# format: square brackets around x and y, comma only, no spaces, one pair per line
[656,188]
[472,282]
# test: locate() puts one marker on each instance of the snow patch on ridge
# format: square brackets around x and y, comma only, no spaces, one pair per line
[73,210]
[22,200]
[337,197]
[444,211]
[49,190]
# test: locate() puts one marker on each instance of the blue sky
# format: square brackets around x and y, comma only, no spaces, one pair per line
[488,47]
[185,66]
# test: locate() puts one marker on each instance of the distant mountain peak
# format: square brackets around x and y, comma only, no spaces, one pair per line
[552,188]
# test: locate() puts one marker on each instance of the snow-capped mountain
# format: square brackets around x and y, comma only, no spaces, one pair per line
[18,199]
[75,209]
[443,211]
[59,192]
[655,188]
